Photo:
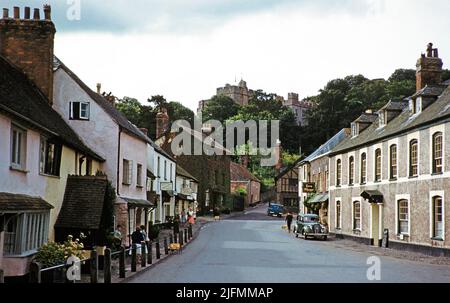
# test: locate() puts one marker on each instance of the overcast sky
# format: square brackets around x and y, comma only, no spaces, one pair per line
[185,49]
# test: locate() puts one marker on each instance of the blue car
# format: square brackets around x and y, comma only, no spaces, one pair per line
[276,210]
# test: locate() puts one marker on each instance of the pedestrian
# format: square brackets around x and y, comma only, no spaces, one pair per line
[176,225]
[117,237]
[137,237]
[289,219]
[144,233]
[183,217]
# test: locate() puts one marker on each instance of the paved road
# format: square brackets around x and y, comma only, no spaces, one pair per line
[254,248]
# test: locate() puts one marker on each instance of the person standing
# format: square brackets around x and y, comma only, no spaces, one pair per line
[289,219]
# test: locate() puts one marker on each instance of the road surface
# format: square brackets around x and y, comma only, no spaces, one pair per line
[254,248]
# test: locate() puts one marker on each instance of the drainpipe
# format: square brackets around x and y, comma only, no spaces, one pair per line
[118,160]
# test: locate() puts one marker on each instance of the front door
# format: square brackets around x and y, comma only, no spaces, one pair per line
[376,224]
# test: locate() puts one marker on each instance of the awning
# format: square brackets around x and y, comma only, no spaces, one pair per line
[184,197]
[138,203]
[150,175]
[170,193]
[374,196]
[12,203]
[319,198]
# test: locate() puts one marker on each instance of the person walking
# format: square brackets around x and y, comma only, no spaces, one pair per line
[289,219]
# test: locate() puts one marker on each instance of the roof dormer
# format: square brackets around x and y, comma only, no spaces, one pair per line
[425,97]
[363,122]
[388,112]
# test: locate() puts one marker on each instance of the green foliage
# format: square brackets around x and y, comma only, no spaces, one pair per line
[241,191]
[289,159]
[107,222]
[220,108]
[153,231]
[52,254]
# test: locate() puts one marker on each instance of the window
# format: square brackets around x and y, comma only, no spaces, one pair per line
[25,233]
[378,165]
[50,157]
[393,160]
[351,170]
[437,153]
[139,176]
[127,172]
[158,168]
[338,172]
[363,168]
[79,111]
[357,215]
[165,169]
[338,214]
[413,158]
[18,147]
[354,127]
[417,105]
[438,222]
[171,174]
[403,217]
[382,118]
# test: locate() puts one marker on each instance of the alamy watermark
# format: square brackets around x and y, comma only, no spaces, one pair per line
[374,271]
[74,271]
[208,139]
[73,10]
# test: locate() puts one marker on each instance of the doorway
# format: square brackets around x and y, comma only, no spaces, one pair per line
[376,225]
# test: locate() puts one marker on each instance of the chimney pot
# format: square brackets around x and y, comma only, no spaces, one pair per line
[27,13]
[16,12]
[48,12]
[5,13]
[99,88]
[36,14]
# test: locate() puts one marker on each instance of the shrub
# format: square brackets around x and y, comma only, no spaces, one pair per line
[52,254]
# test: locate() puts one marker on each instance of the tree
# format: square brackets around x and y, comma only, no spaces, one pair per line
[220,108]
[131,108]
[403,75]
[157,101]
[178,111]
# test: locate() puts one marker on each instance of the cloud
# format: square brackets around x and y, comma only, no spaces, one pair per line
[179,16]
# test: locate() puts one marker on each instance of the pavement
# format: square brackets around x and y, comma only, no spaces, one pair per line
[251,247]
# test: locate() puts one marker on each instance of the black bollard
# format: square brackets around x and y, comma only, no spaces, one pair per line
[133,258]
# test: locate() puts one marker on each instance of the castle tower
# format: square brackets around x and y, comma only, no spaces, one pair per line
[429,68]
[28,44]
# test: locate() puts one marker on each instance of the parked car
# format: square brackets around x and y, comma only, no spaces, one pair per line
[309,226]
[275,210]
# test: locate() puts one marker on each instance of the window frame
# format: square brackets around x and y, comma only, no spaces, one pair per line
[378,165]
[351,170]
[363,168]
[338,214]
[338,172]
[433,214]
[400,220]
[437,168]
[413,167]
[44,169]
[139,175]
[356,219]
[18,151]
[127,172]
[393,165]
[80,117]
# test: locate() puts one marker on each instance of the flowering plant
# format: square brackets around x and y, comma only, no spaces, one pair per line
[52,254]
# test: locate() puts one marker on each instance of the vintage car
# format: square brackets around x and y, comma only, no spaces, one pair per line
[309,226]
[276,210]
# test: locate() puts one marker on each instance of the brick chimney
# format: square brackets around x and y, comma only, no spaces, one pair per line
[28,43]
[278,157]
[429,68]
[162,122]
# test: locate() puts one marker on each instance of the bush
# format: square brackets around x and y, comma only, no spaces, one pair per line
[153,231]
[52,254]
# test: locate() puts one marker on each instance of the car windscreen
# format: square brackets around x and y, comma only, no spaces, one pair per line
[311,219]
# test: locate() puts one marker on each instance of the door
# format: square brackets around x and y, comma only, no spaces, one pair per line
[376,224]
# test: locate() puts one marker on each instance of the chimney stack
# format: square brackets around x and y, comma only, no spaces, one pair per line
[36,14]
[28,44]
[429,68]
[99,88]
[27,13]
[278,157]
[48,12]
[162,122]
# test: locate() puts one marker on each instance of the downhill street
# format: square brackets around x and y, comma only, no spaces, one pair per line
[254,248]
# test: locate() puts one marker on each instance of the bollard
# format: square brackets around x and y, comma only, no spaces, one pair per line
[190,231]
[133,258]
[2,276]
[186,235]
[171,239]
[181,238]
[122,257]
[166,247]
[158,251]
[94,267]
[143,254]
[175,237]
[107,266]
[150,252]
[35,272]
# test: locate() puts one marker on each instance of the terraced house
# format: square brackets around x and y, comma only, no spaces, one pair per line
[393,173]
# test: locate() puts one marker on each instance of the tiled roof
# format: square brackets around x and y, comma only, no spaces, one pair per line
[115,114]
[20,97]
[431,91]
[17,202]
[182,172]
[403,123]
[328,146]
[240,173]
[367,118]
[395,106]
[83,203]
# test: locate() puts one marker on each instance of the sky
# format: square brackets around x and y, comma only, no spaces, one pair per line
[185,49]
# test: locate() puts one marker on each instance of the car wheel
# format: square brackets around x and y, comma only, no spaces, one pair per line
[296,235]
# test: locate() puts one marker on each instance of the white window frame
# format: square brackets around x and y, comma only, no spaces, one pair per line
[433,194]
[354,200]
[433,131]
[80,104]
[127,172]
[21,165]
[336,200]
[410,137]
[139,175]
[390,145]
[399,198]
[375,148]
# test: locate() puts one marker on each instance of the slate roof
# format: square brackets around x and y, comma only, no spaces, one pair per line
[328,146]
[21,98]
[438,111]
[430,91]
[115,114]
[18,202]
[395,106]
[182,172]
[240,173]
[367,118]
[83,203]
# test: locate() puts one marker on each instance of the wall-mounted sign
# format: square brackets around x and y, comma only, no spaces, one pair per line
[165,186]
[309,187]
